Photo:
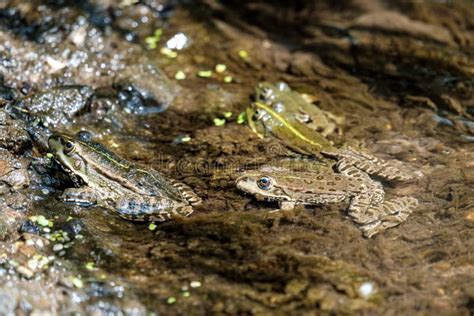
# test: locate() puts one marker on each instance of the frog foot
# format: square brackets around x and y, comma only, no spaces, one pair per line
[392,213]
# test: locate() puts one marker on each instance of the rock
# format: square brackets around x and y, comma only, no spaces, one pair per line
[13,172]
[29,227]
[8,303]
[72,227]
[57,106]
[143,88]
[25,272]
[13,134]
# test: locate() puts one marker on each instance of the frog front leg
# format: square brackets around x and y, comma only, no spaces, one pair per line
[84,196]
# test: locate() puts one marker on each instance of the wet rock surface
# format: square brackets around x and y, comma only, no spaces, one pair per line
[404,88]
[57,106]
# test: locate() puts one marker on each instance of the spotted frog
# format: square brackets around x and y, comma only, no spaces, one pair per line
[104,179]
[323,186]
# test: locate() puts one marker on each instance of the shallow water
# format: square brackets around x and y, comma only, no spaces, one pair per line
[395,87]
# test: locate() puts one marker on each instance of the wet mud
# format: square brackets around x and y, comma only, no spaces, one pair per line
[404,89]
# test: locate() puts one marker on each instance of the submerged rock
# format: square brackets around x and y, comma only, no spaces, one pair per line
[13,135]
[143,89]
[57,106]
[13,172]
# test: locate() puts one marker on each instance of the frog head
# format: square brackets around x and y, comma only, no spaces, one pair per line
[68,152]
[264,187]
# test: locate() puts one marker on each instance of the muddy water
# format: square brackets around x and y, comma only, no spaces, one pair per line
[405,91]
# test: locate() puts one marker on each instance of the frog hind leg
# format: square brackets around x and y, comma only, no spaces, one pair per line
[392,213]
[157,209]
[370,164]
[363,210]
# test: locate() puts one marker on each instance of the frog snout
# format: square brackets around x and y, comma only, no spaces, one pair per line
[243,183]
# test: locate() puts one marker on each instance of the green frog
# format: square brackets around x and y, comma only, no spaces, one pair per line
[323,186]
[266,119]
[104,179]
[285,114]
[295,108]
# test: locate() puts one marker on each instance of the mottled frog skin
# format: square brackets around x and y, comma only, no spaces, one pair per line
[107,180]
[294,107]
[367,206]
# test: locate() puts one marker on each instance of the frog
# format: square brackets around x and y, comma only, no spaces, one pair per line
[104,179]
[294,107]
[320,186]
[265,120]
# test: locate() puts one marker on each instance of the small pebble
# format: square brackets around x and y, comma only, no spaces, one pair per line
[228,79]
[152,226]
[30,227]
[25,272]
[195,284]
[58,247]
[171,300]
[41,220]
[77,282]
[366,290]
[30,242]
[32,264]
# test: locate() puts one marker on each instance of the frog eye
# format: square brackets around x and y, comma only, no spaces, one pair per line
[258,115]
[68,147]
[264,183]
